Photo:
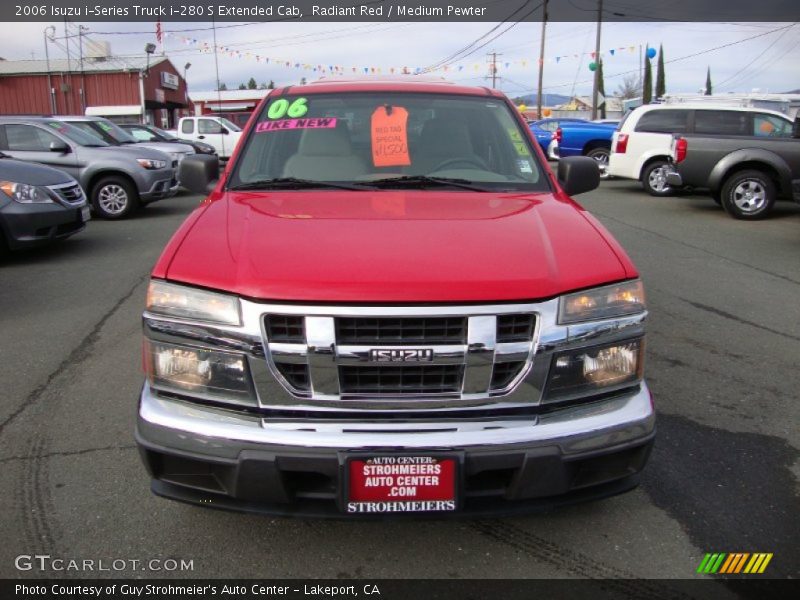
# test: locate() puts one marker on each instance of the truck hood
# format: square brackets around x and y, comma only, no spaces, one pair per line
[393,247]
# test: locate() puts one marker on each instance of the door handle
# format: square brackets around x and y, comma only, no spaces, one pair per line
[201,137]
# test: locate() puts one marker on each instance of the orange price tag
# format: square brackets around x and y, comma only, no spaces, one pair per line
[390,137]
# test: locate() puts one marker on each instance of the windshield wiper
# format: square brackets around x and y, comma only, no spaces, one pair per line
[294,183]
[422,180]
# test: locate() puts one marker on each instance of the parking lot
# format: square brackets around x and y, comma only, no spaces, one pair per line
[723,350]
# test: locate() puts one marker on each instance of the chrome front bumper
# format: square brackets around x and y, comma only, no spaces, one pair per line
[590,426]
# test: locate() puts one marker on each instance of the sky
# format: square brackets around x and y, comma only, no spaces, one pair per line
[743,57]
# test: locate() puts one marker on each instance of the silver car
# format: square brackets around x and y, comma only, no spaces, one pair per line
[116,179]
[113,134]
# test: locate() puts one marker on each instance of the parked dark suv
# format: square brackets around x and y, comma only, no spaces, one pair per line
[37,205]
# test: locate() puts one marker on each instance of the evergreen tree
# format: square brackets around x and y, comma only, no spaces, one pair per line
[271,85]
[222,87]
[242,86]
[601,88]
[708,82]
[252,85]
[661,84]
[647,89]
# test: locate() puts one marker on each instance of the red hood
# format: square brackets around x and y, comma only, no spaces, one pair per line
[393,247]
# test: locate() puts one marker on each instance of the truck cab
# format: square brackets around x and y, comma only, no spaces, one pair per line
[218,132]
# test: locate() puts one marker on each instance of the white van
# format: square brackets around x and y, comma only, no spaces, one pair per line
[641,145]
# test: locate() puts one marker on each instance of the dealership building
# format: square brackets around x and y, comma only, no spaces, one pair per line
[137,89]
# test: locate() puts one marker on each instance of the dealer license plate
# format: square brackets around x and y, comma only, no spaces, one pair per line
[86,213]
[401,484]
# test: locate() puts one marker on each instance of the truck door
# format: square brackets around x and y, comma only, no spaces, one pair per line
[212,132]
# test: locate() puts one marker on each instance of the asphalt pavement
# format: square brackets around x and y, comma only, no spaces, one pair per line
[723,352]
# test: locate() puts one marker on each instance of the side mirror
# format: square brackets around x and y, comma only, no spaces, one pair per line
[796,128]
[199,173]
[578,174]
[60,147]
[223,131]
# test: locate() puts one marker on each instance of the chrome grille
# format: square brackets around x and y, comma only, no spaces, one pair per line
[400,380]
[401,330]
[68,193]
[395,356]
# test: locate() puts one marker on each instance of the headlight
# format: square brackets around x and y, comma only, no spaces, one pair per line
[577,372]
[199,371]
[189,303]
[24,193]
[150,164]
[602,303]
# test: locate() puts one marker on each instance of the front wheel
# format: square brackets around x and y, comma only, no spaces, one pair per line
[600,155]
[114,198]
[654,179]
[748,195]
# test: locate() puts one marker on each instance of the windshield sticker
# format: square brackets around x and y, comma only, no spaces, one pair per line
[524,166]
[104,126]
[313,123]
[281,108]
[519,143]
[390,137]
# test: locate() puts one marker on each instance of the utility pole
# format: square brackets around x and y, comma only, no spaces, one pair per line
[541,63]
[597,58]
[493,68]
[68,85]
[50,91]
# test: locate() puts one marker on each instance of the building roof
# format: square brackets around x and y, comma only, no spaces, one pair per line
[90,65]
[228,95]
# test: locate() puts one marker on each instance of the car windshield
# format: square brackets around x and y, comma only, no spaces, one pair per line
[229,124]
[76,135]
[387,140]
[106,130]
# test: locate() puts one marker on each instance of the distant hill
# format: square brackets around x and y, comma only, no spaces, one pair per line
[547,99]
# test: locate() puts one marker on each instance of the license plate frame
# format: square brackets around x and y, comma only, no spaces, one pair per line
[443,498]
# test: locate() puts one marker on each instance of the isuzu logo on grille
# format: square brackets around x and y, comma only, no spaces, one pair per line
[404,355]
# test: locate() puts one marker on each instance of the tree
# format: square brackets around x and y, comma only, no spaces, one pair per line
[251,85]
[708,82]
[647,90]
[303,81]
[242,86]
[601,88]
[631,87]
[661,84]
[271,85]
[222,87]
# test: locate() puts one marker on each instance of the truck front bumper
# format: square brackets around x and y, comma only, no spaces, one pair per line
[224,459]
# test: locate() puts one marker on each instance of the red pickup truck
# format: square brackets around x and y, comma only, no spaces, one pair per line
[388,303]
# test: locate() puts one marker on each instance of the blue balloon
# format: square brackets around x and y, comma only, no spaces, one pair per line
[651,53]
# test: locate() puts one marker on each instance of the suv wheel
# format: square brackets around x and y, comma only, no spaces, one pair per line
[748,195]
[601,156]
[114,198]
[654,179]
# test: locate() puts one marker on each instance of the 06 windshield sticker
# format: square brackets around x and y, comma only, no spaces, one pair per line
[283,108]
[390,137]
[313,123]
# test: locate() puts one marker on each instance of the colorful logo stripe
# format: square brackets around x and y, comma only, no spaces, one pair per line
[734,562]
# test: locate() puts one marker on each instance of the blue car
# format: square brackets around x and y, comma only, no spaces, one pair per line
[584,139]
[545,129]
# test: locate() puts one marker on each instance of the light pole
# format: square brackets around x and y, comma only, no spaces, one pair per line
[50,92]
[186,68]
[149,48]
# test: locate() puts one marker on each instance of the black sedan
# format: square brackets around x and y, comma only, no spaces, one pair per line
[38,204]
[150,133]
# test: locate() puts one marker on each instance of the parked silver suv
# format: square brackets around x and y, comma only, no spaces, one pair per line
[116,179]
[114,135]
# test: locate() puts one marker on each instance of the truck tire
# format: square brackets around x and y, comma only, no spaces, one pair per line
[654,179]
[601,156]
[114,197]
[748,195]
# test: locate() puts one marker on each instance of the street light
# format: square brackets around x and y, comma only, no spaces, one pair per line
[186,68]
[149,48]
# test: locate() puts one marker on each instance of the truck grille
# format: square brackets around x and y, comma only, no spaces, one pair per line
[410,330]
[396,356]
[429,379]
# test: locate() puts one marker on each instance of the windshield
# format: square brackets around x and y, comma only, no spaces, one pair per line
[105,130]
[163,134]
[229,125]
[364,138]
[76,135]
